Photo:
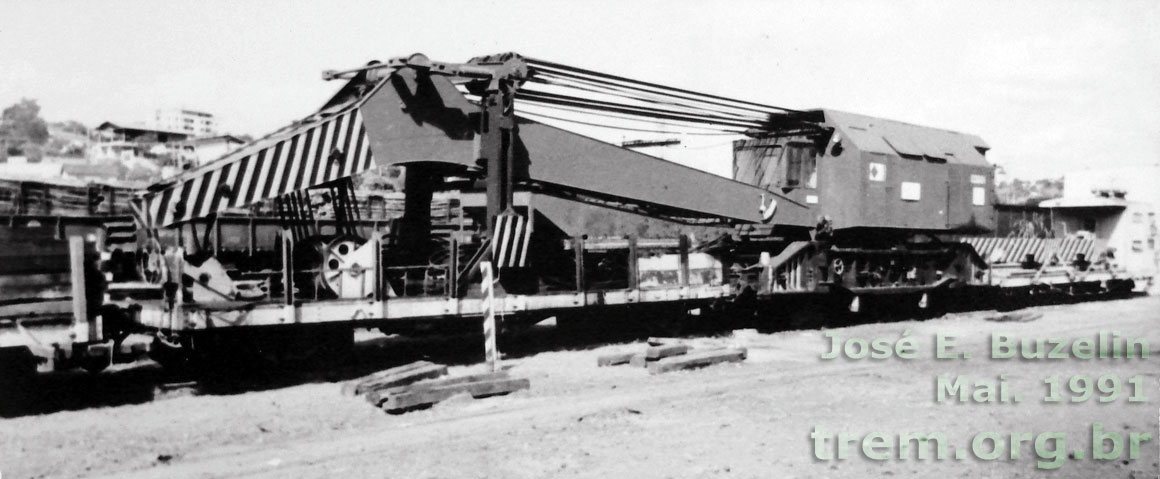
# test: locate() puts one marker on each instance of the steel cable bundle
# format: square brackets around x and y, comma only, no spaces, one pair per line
[559,92]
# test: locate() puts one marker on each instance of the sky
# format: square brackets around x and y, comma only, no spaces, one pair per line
[1052,86]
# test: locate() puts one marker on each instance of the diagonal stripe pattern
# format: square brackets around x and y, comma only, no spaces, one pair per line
[512,235]
[490,352]
[311,154]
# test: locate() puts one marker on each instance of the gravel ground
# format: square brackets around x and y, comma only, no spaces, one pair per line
[752,419]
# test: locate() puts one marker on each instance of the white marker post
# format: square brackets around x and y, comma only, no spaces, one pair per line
[491,354]
[80,305]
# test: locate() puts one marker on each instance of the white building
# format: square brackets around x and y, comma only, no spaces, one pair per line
[1117,206]
[201,151]
[195,123]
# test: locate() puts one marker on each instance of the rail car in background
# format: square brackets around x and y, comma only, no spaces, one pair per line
[37,218]
[827,212]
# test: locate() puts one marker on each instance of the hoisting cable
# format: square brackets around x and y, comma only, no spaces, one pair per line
[556,99]
[639,119]
[579,73]
[625,128]
[676,101]
[652,99]
[711,129]
[648,88]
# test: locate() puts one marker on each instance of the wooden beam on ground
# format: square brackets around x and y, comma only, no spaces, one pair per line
[696,360]
[380,396]
[655,341]
[614,359]
[405,378]
[403,401]
[350,388]
[393,377]
[638,360]
[654,353]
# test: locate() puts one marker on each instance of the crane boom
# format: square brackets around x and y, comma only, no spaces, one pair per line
[410,112]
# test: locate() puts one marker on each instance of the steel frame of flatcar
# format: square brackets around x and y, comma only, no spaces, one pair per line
[192,317]
[174,314]
[179,316]
[222,224]
[375,313]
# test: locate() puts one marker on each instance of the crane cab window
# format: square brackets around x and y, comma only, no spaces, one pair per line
[799,165]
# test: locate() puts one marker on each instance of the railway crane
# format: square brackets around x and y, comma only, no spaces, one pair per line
[826,207]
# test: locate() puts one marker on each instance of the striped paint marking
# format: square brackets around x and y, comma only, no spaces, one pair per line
[323,151]
[512,235]
[490,352]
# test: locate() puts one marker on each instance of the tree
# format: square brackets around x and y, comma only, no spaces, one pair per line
[21,126]
[33,153]
[1018,192]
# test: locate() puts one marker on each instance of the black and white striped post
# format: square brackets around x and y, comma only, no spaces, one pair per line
[491,354]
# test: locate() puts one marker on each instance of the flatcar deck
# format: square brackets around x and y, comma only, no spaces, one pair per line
[199,316]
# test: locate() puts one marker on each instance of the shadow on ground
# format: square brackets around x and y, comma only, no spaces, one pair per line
[146,381]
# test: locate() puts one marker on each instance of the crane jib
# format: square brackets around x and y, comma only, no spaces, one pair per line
[311,154]
[416,114]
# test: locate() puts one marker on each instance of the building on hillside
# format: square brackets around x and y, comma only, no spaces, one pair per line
[106,151]
[138,133]
[192,122]
[134,145]
[204,150]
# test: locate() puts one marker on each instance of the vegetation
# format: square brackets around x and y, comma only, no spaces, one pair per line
[22,130]
[1014,191]
[1020,192]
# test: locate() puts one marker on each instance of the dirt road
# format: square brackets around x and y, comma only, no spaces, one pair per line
[753,419]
